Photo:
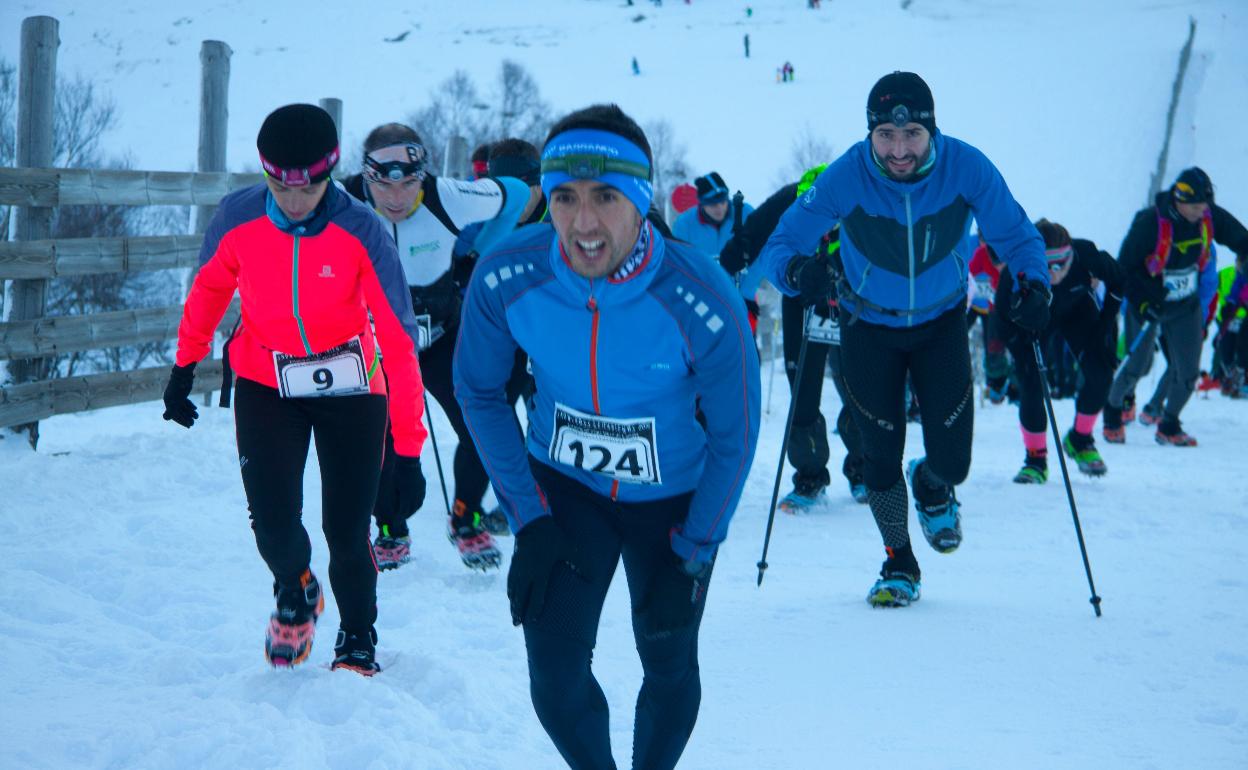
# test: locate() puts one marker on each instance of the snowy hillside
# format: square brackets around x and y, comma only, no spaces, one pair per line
[132,601]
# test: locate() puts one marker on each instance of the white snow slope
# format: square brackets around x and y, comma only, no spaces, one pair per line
[132,601]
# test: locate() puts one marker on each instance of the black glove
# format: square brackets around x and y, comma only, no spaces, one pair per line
[178,406]
[1029,305]
[409,482]
[733,256]
[811,277]
[673,597]
[541,546]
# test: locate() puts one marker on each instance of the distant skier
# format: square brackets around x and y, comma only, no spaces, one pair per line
[1090,331]
[1171,274]
[627,331]
[636,67]
[747,45]
[904,199]
[316,274]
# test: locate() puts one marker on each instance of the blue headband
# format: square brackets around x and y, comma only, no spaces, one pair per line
[588,153]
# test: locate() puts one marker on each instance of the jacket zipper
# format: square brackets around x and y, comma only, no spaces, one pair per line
[910,247]
[294,298]
[592,305]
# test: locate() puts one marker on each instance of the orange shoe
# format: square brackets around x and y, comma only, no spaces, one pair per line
[288,641]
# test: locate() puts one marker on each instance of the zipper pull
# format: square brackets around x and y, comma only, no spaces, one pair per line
[592,304]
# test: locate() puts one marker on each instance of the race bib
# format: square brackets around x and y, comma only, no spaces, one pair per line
[426,332]
[623,450]
[826,331]
[338,371]
[1180,284]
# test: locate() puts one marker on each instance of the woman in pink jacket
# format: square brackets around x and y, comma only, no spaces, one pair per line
[310,264]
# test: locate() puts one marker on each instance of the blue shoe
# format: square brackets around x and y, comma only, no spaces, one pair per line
[941,521]
[894,589]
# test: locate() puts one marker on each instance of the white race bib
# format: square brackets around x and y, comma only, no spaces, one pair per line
[338,371]
[826,331]
[623,450]
[1180,284]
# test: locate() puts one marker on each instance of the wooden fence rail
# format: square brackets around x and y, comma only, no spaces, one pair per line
[88,187]
[60,258]
[30,402]
[69,334]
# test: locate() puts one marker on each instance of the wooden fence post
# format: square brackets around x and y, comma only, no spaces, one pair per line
[456,163]
[214,115]
[36,99]
[334,108]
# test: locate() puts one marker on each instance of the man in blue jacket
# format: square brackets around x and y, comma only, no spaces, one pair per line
[627,334]
[904,199]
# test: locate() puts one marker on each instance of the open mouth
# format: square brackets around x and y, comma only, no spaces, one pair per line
[591,250]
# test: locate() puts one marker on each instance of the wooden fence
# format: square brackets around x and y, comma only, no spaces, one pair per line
[29,262]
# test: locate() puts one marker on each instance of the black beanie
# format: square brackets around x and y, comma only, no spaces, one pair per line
[295,139]
[901,89]
[1193,186]
[711,188]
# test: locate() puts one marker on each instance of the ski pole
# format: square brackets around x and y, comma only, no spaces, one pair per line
[784,448]
[437,458]
[1135,344]
[771,360]
[1061,457]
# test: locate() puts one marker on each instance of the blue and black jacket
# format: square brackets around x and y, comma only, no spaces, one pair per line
[636,356]
[903,244]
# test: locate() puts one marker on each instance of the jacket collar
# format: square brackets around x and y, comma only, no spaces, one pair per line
[609,291]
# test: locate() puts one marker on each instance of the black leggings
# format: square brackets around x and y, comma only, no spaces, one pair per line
[808,450]
[273,438]
[1097,361]
[567,698]
[875,360]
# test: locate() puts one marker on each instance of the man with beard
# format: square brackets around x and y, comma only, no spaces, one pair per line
[904,198]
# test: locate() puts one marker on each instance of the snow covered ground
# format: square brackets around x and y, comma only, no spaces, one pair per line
[132,602]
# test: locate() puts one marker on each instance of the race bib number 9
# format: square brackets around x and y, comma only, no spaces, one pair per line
[623,450]
[1180,284]
[338,371]
[823,330]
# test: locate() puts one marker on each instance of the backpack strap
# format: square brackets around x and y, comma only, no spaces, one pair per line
[1156,262]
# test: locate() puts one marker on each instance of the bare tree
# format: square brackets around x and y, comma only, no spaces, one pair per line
[809,149]
[455,109]
[514,108]
[670,165]
[82,118]
[521,112]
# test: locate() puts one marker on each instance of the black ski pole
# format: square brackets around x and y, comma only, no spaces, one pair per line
[437,458]
[784,448]
[1061,457]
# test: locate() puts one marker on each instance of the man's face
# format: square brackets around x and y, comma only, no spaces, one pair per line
[394,198]
[596,224]
[901,150]
[716,211]
[296,202]
[1192,212]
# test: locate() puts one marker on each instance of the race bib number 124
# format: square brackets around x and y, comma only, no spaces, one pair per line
[623,450]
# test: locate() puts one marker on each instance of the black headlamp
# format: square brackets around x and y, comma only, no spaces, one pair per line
[396,170]
[899,116]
